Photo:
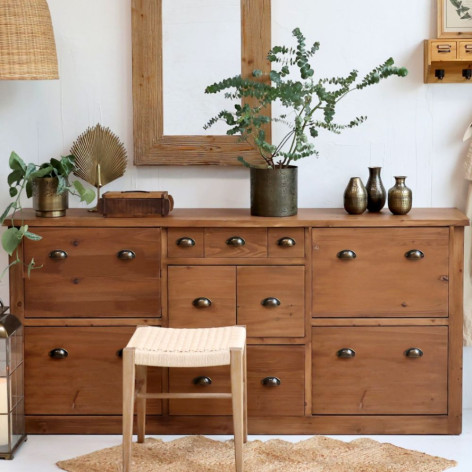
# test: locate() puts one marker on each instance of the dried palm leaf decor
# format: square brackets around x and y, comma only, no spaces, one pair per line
[100,157]
[27,46]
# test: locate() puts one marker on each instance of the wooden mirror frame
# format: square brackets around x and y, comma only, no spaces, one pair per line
[151,146]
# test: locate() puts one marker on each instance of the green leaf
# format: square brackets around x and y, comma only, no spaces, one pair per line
[32,236]
[87,195]
[41,172]
[30,168]
[15,176]
[13,192]
[62,184]
[16,163]
[11,239]
[243,162]
[6,212]
[29,189]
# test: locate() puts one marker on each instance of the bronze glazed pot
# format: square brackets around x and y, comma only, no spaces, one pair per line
[274,191]
[46,201]
[400,197]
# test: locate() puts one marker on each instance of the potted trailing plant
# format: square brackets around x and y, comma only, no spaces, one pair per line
[310,105]
[49,186]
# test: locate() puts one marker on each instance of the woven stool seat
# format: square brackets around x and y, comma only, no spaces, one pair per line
[203,347]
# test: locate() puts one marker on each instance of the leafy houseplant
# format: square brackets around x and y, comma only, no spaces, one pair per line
[310,105]
[25,178]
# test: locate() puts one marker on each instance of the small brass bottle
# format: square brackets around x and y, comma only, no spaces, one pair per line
[355,197]
[376,194]
[400,197]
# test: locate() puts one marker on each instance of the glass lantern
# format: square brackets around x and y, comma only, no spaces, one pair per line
[12,404]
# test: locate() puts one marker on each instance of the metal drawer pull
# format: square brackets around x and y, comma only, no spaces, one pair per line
[414,353]
[414,255]
[204,381]
[58,255]
[235,241]
[58,353]
[286,242]
[444,48]
[270,302]
[201,302]
[346,254]
[185,242]
[271,382]
[119,353]
[346,353]
[126,255]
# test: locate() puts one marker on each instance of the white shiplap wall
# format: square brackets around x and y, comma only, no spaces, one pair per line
[413,129]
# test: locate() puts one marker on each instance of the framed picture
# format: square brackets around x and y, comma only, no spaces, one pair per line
[454,18]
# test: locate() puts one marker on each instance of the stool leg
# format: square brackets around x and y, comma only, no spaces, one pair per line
[128,406]
[141,386]
[237,391]
[245,394]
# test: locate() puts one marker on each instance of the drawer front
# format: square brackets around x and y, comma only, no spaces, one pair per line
[380,378]
[61,297]
[201,297]
[268,364]
[88,381]
[286,242]
[184,242]
[443,50]
[236,242]
[366,272]
[97,252]
[271,300]
[465,50]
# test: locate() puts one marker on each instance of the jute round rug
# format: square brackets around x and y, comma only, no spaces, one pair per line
[317,454]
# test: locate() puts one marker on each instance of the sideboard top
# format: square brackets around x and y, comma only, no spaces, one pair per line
[229,217]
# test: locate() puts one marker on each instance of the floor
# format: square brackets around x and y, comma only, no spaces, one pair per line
[40,453]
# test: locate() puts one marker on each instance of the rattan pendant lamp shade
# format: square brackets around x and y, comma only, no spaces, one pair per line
[27,46]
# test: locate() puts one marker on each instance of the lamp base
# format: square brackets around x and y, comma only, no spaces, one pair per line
[9,455]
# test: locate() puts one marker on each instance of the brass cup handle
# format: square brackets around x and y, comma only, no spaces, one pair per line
[201,302]
[270,302]
[126,255]
[414,353]
[286,242]
[271,382]
[58,353]
[202,380]
[185,242]
[346,353]
[346,254]
[235,241]
[414,255]
[58,255]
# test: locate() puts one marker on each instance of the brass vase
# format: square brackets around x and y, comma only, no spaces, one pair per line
[400,197]
[355,197]
[46,201]
[376,194]
[274,191]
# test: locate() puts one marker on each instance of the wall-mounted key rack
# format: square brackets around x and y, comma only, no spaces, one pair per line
[447,61]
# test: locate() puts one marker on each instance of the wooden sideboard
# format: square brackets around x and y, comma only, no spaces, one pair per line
[354,322]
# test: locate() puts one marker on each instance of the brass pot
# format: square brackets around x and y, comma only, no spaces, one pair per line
[46,201]
[274,191]
[355,197]
[400,197]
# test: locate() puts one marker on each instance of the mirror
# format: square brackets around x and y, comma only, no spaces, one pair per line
[168,97]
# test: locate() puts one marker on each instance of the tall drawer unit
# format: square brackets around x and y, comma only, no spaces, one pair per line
[354,322]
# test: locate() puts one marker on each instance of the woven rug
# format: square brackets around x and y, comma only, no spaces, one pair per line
[317,454]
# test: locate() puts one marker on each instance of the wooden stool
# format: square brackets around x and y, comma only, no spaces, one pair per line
[168,347]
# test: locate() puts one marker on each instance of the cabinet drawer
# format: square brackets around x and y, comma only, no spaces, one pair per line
[236,242]
[271,300]
[95,252]
[184,242]
[380,272]
[88,381]
[380,378]
[286,242]
[443,50]
[202,297]
[284,364]
[465,50]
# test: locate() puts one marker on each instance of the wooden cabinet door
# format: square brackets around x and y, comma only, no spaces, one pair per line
[271,301]
[202,297]
[380,272]
[380,378]
[86,382]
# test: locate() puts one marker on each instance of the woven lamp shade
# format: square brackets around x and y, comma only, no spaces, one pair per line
[27,46]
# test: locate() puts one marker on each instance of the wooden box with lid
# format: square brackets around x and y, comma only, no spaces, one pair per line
[354,321]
